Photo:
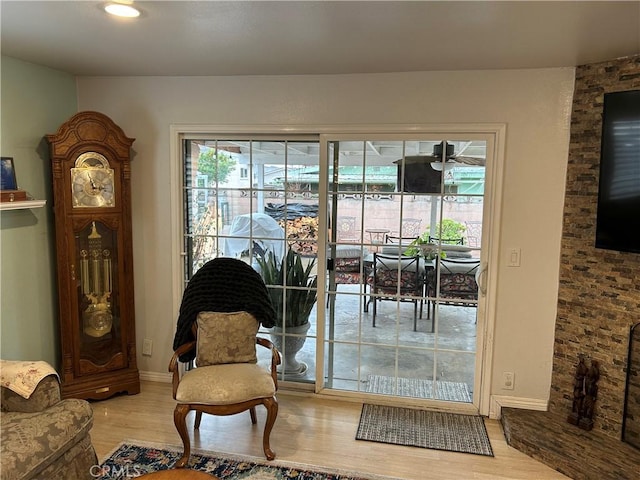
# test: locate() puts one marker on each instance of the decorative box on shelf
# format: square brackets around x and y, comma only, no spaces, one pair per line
[13,195]
[18,200]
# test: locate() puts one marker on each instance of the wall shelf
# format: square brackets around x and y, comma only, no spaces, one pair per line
[22,205]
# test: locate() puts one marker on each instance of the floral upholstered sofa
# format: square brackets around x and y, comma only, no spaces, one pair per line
[43,437]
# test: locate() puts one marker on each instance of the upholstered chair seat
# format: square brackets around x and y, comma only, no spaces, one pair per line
[348,264]
[225,384]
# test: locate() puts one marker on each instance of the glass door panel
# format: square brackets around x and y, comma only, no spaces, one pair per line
[100,335]
[409,197]
[256,199]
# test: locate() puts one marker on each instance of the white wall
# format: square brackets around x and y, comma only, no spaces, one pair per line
[534,104]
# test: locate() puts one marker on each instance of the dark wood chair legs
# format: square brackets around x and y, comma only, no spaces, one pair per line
[272,412]
[180,421]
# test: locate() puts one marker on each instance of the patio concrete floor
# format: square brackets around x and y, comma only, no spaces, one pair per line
[391,348]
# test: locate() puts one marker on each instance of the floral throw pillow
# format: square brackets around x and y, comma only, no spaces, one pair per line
[226,338]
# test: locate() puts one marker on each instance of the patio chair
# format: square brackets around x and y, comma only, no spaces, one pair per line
[473,232]
[397,278]
[411,227]
[457,284]
[346,230]
[348,264]
[447,241]
[394,243]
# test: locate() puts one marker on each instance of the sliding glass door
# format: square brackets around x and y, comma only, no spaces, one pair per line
[387,231]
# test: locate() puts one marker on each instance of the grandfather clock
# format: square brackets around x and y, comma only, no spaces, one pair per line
[91,172]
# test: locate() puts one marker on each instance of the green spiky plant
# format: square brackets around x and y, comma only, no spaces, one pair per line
[295,311]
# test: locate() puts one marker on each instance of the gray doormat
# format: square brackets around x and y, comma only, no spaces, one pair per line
[423,428]
[418,388]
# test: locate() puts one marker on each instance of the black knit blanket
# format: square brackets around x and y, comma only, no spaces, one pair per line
[222,285]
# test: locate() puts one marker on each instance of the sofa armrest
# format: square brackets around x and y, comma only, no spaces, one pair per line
[46,394]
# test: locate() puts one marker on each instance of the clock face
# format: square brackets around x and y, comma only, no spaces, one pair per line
[92,187]
[92,181]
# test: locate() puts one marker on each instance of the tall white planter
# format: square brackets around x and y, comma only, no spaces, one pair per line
[289,346]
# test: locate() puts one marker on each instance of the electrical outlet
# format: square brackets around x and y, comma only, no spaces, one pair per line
[508,379]
[147,347]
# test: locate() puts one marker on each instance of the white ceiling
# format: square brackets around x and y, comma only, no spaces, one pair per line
[317,37]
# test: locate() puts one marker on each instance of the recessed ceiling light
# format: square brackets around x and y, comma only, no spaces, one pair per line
[122,10]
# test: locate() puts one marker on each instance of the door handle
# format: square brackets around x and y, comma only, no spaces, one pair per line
[481,277]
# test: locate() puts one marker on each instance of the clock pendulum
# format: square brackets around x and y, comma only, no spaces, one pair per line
[95,273]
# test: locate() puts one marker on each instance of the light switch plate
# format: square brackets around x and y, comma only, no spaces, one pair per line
[514,257]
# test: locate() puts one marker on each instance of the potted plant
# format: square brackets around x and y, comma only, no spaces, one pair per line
[293,305]
[425,245]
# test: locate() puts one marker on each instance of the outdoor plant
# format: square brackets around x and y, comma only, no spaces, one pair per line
[295,308]
[447,229]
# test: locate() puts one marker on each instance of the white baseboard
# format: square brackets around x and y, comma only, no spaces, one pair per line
[499,401]
[495,406]
[156,377]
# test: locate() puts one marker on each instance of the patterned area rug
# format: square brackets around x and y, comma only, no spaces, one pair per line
[418,388]
[132,459]
[423,428]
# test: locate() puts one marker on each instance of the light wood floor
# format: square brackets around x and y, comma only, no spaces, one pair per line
[309,430]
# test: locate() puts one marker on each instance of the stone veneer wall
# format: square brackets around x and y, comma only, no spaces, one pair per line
[632,424]
[599,292]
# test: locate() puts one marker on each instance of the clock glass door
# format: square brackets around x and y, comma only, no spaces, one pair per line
[98,309]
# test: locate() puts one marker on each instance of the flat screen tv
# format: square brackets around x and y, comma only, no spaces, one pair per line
[419,176]
[619,189]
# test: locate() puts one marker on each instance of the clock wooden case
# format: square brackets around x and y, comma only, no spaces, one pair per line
[91,173]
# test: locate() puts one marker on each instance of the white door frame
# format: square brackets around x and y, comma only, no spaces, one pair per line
[494,133]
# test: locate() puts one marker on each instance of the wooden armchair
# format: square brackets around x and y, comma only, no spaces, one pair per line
[227,378]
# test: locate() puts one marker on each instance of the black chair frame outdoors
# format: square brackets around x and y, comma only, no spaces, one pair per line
[447,241]
[395,240]
[397,278]
[456,282]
